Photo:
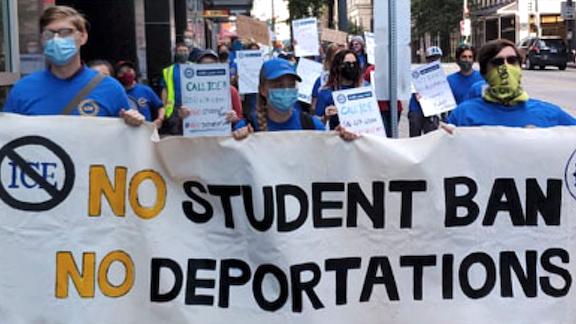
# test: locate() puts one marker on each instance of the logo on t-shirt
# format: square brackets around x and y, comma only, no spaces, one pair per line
[142,102]
[88,107]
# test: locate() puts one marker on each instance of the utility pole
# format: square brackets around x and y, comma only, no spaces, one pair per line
[273,17]
[570,27]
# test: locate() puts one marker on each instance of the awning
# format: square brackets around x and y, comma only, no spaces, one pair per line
[494,10]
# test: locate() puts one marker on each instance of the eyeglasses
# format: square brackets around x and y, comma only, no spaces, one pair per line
[349,64]
[512,60]
[48,34]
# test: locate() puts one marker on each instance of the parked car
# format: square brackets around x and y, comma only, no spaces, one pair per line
[544,51]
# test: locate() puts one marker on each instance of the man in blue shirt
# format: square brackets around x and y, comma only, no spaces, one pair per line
[141,97]
[461,81]
[505,103]
[49,91]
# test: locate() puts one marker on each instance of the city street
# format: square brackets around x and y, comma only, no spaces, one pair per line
[552,85]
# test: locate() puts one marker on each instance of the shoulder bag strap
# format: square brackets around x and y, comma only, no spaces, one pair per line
[82,94]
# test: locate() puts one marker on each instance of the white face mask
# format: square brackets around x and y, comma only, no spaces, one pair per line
[189,42]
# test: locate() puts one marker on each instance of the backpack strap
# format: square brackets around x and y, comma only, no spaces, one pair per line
[82,94]
[306,121]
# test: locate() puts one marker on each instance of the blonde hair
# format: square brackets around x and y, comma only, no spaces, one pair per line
[54,13]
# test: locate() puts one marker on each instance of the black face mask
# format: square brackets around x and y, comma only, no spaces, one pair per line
[223,56]
[350,71]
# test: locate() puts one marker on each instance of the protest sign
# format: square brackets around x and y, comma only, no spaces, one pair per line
[370,47]
[334,36]
[206,92]
[306,37]
[358,111]
[475,227]
[431,83]
[250,28]
[309,71]
[249,65]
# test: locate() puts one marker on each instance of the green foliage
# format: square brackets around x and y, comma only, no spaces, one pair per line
[306,8]
[436,17]
[355,29]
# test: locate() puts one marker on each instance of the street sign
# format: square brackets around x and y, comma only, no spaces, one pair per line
[567,11]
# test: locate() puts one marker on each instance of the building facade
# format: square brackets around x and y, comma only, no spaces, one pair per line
[276,14]
[515,19]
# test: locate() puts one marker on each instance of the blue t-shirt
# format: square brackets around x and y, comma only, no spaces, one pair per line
[414,105]
[478,112]
[477,90]
[146,100]
[42,93]
[291,124]
[460,84]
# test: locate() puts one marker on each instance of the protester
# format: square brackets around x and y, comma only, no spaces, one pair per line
[505,103]
[193,50]
[66,86]
[331,51]
[171,92]
[384,105]
[419,124]
[345,73]
[142,96]
[358,45]
[234,115]
[461,82]
[102,66]
[277,95]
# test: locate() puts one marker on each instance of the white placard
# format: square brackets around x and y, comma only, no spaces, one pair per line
[435,94]
[249,65]
[306,37]
[370,47]
[358,111]
[309,71]
[206,92]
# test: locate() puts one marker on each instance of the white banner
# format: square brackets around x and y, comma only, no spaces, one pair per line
[475,227]
[249,65]
[435,94]
[309,71]
[358,111]
[206,92]
[306,37]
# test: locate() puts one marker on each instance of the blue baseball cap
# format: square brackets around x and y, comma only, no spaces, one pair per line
[276,68]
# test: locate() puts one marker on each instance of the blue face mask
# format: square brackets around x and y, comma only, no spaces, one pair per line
[60,51]
[282,100]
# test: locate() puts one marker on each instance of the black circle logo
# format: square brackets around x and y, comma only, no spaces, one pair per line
[57,195]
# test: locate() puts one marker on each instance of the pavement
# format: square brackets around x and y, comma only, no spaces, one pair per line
[551,85]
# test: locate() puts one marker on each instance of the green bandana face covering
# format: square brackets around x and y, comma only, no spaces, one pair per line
[504,86]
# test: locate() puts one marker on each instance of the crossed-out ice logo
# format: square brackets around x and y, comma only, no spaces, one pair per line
[189,73]
[570,175]
[341,98]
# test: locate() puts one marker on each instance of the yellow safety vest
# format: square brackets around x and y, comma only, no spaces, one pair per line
[171,94]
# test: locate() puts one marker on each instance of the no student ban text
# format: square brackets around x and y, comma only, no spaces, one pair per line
[534,271]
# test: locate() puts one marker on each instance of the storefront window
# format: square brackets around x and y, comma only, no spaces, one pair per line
[9,56]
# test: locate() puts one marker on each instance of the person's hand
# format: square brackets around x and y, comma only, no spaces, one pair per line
[231,116]
[345,134]
[447,128]
[242,133]
[183,112]
[158,123]
[331,111]
[132,117]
